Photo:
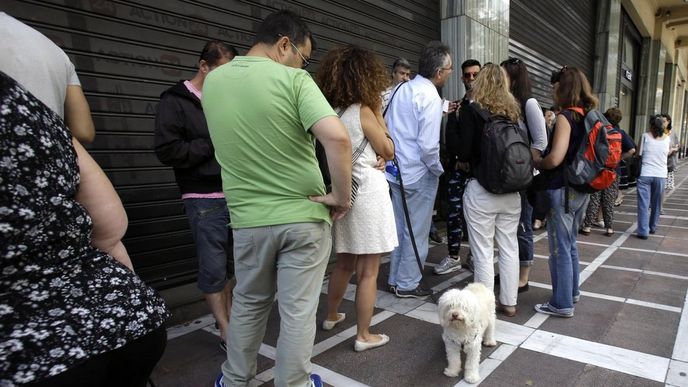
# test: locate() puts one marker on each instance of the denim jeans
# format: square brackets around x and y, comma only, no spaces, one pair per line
[649,190]
[209,221]
[525,232]
[562,229]
[420,199]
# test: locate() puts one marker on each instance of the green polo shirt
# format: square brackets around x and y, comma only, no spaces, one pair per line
[259,113]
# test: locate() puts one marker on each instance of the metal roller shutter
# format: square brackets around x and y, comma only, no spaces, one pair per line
[550,34]
[127,52]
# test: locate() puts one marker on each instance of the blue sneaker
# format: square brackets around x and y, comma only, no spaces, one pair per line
[316,381]
[218,381]
[546,308]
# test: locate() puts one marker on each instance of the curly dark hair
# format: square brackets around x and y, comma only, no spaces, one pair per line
[350,74]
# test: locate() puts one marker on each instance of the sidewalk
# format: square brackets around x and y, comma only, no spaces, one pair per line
[630,327]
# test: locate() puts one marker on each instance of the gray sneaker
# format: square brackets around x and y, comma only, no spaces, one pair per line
[448,265]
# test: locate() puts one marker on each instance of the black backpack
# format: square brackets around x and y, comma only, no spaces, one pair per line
[506,164]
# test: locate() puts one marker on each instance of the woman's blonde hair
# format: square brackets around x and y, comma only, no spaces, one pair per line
[491,91]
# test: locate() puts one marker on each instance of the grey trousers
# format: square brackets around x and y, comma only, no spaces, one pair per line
[289,259]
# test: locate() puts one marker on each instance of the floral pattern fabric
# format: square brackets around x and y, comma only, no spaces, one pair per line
[61,300]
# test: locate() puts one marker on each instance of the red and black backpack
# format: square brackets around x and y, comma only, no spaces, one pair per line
[593,168]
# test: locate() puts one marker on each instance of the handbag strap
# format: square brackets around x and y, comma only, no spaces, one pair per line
[642,145]
[392,97]
[360,148]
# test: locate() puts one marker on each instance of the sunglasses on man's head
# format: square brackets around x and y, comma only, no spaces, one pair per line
[556,75]
[513,61]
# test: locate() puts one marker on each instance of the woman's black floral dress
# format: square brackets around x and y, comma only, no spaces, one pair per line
[61,300]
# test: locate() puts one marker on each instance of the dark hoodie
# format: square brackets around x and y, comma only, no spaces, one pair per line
[183,142]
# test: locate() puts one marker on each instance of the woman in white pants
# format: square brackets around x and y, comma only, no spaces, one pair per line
[490,217]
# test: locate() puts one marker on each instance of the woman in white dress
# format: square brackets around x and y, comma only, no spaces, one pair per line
[352,79]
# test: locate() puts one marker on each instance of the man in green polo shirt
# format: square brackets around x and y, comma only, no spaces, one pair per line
[263,112]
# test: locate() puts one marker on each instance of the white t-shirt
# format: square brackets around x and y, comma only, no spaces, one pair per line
[654,152]
[35,62]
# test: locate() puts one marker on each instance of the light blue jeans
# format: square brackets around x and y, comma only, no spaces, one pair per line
[649,190]
[420,198]
[562,229]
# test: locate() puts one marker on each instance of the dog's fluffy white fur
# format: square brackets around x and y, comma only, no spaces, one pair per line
[467,318]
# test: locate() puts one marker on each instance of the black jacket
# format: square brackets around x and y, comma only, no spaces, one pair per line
[452,133]
[183,142]
[470,137]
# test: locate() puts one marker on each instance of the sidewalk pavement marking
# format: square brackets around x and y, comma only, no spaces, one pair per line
[486,368]
[668,308]
[681,343]
[186,328]
[334,378]
[537,320]
[453,280]
[593,243]
[665,216]
[602,355]
[268,351]
[503,351]
[540,256]
[511,333]
[346,334]
[653,251]
[677,375]
[648,272]
[262,378]
[426,312]
[597,262]
[601,296]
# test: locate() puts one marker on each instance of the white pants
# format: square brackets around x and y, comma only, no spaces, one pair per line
[491,217]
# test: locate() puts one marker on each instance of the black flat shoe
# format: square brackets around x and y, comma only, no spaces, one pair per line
[524,288]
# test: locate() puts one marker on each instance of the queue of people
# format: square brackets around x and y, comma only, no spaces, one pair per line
[87,315]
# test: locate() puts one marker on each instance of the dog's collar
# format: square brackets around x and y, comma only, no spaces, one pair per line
[454,340]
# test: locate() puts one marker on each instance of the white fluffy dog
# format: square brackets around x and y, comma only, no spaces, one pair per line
[467,318]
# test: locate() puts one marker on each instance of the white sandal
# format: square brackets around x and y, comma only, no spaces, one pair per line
[361,346]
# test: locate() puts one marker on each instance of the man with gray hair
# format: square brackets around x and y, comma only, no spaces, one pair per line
[413,118]
[401,72]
